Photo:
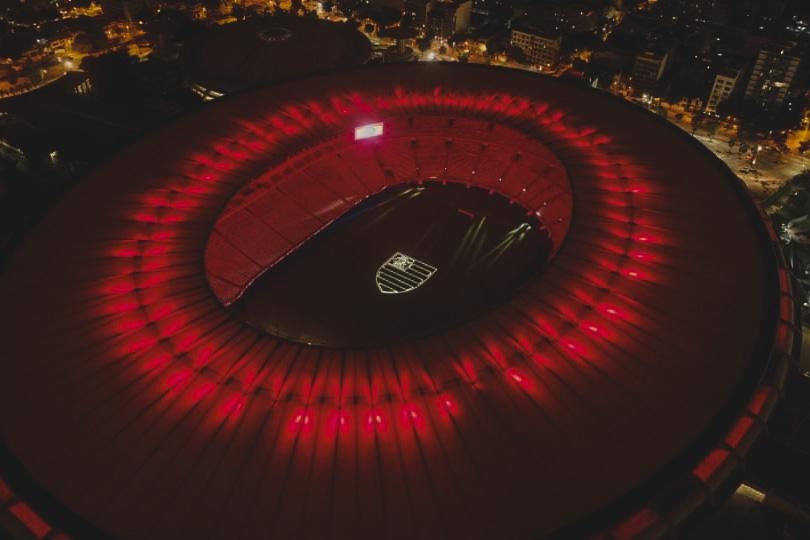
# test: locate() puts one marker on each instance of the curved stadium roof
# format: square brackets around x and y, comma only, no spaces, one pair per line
[613,392]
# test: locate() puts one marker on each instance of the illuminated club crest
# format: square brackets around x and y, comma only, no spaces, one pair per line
[401,274]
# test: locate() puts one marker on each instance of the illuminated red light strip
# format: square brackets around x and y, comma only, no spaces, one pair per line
[38,527]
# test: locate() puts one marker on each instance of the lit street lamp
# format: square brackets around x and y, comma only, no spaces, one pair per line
[755,154]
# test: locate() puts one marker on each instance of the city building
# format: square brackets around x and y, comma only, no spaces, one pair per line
[423,300]
[772,77]
[447,18]
[125,10]
[540,45]
[648,69]
[562,16]
[725,83]
[60,45]
[418,10]
[393,4]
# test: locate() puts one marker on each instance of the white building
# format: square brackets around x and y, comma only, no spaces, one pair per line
[724,84]
[540,47]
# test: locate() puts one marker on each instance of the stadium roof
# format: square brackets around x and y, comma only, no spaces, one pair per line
[616,391]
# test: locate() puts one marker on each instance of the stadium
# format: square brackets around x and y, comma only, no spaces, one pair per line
[407,301]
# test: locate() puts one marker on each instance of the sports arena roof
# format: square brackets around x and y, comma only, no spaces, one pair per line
[259,51]
[613,385]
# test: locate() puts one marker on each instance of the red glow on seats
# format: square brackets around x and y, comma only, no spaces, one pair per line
[155,250]
[759,399]
[158,361]
[516,376]
[121,288]
[642,256]
[706,468]
[147,218]
[124,307]
[233,406]
[448,405]
[738,431]
[131,324]
[375,422]
[202,391]
[178,378]
[612,310]
[203,357]
[142,344]
[302,421]
[411,417]
[161,312]
[126,252]
[5,492]
[337,422]
[162,235]
[38,527]
[784,337]
[636,524]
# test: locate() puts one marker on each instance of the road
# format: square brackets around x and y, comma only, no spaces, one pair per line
[771,171]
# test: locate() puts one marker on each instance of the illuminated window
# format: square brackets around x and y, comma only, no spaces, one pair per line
[368,131]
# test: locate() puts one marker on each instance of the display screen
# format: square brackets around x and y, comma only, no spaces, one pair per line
[367,131]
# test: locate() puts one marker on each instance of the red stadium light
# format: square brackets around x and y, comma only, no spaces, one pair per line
[368,131]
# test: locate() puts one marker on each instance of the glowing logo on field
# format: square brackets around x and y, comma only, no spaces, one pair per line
[401,274]
[368,131]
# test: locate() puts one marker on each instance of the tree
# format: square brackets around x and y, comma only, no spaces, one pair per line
[760,119]
[14,43]
[172,25]
[382,16]
[114,74]
[212,6]
[238,11]
[348,7]
[90,41]
[727,108]
[423,44]
[32,71]
[516,54]
[689,79]
[711,128]
[697,122]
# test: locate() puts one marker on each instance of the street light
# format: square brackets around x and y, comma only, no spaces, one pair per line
[756,153]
